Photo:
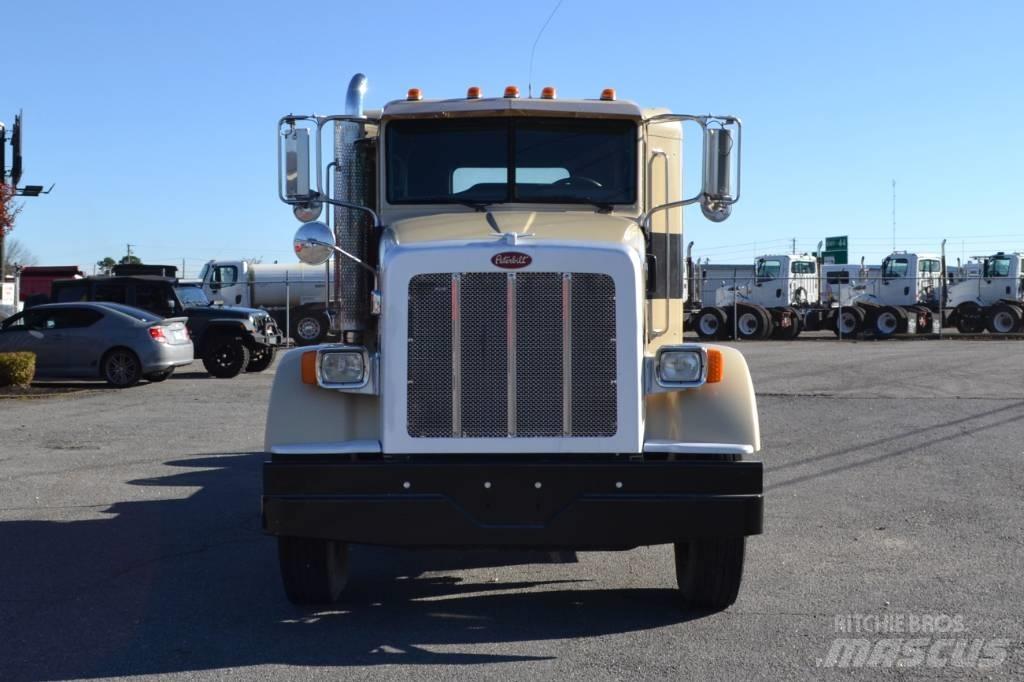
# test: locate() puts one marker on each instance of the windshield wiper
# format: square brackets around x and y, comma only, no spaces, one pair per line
[478,206]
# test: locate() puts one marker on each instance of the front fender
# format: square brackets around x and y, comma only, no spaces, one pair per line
[301,413]
[723,412]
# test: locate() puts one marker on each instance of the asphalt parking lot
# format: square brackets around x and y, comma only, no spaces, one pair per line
[130,543]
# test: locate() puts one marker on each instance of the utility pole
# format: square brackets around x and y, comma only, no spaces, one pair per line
[128,258]
[894,214]
[794,246]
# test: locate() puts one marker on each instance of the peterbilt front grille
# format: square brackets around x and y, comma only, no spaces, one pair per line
[527,355]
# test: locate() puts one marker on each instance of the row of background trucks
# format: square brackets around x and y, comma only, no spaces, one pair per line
[908,293]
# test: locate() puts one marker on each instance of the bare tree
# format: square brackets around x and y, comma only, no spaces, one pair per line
[8,214]
[16,253]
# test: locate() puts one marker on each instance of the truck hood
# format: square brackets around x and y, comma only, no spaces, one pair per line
[583,226]
[224,312]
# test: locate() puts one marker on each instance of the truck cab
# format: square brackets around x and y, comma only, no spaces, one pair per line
[989,296]
[511,370]
[908,279]
[787,280]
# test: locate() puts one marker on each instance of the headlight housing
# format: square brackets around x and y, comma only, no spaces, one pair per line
[342,367]
[682,366]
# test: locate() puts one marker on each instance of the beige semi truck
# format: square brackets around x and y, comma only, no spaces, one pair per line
[510,371]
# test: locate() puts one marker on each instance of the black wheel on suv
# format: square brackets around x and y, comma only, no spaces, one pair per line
[314,571]
[226,358]
[260,358]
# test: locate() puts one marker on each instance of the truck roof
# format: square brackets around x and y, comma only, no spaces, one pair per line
[510,106]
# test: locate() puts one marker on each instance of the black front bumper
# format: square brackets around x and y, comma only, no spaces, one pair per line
[474,502]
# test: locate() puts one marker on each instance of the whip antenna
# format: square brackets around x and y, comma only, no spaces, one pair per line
[529,84]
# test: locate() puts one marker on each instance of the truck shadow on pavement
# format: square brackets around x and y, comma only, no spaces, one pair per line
[190,583]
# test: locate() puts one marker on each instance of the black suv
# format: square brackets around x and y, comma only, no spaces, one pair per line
[228,340]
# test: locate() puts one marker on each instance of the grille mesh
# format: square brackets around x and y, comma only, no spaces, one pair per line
[430,356]
[484,355]
[539,354]
[538,325]
[594,411]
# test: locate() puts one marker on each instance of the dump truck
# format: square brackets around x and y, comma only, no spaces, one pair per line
[510,370]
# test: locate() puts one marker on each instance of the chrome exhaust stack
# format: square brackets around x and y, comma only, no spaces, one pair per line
[352,228]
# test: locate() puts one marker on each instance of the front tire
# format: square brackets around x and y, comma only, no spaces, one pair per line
[260,358]
[969,319]
[313,571]
[709,572]
[226,358]
[121,368]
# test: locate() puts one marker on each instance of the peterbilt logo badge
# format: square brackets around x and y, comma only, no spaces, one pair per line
[512,260]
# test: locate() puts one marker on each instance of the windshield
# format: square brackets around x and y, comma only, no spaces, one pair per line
[192,297]
[497,160]
[997,267]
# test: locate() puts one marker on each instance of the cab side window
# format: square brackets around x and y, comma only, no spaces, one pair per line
[225,275]
[802,268]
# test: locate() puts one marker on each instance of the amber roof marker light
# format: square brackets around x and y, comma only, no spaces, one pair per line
[512,91]
[474,92]
[414,95]
[548,92]
[608,95]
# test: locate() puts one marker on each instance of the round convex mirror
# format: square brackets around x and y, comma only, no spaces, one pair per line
[314,243]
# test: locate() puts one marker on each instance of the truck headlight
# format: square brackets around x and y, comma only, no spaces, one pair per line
[342,367]
[681,366]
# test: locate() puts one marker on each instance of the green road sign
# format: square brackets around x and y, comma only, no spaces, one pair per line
[835,244]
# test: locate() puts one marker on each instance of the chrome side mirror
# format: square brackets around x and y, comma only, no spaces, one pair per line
[716,202]
[314,243]
[296,164]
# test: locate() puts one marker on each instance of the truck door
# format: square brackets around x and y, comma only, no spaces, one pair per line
[226,283]
[898,282]
[771,283]
[997,281]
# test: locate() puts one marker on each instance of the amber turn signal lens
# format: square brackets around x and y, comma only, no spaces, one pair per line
[309,367]
[716,365]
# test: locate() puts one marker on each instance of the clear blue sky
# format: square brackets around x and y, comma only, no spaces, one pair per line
[156,121]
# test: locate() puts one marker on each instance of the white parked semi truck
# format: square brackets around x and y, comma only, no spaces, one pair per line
[511,371]
[296,295]
[788,296]
[989,296]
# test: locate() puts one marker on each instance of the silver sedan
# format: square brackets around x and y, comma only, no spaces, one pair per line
[98,340]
